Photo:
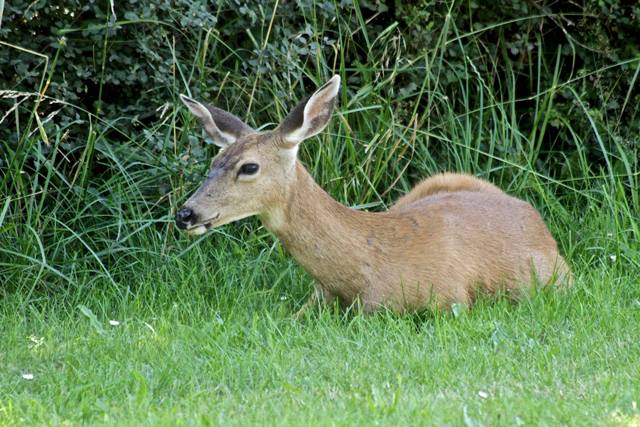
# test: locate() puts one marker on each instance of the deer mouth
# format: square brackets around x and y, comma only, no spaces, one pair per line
[204,226]
[208,223]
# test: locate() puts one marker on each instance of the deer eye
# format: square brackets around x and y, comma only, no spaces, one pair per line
[249,169]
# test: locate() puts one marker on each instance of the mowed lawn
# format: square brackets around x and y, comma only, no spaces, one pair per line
[208,338]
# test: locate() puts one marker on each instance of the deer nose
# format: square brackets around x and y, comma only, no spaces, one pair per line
[184,217]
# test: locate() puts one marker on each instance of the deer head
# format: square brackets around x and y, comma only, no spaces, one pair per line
[253,171]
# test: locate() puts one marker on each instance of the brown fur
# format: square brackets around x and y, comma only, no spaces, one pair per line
[444,183]
[445,241]
[439,247]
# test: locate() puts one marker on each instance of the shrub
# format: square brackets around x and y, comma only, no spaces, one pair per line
[115,68]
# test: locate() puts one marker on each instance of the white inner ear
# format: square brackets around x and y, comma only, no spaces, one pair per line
[220,138]
[314,103]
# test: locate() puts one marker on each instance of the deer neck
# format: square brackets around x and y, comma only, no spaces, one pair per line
[326,238]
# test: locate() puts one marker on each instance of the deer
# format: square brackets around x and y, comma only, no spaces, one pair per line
[450,239]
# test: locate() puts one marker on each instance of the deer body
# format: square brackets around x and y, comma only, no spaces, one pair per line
[450,238]
[440,249]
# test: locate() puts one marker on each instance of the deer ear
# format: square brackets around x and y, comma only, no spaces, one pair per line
[224,128]
[311,116]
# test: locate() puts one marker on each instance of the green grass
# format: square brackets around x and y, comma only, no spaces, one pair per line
[224,351]
[206,335]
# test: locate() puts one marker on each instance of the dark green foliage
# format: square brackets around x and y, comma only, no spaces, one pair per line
[123,61]
[127,63]
[585,53]
[133,46]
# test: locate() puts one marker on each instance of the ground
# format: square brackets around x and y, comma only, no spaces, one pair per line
[220,347]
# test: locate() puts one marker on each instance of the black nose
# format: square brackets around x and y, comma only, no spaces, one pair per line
[184,217]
